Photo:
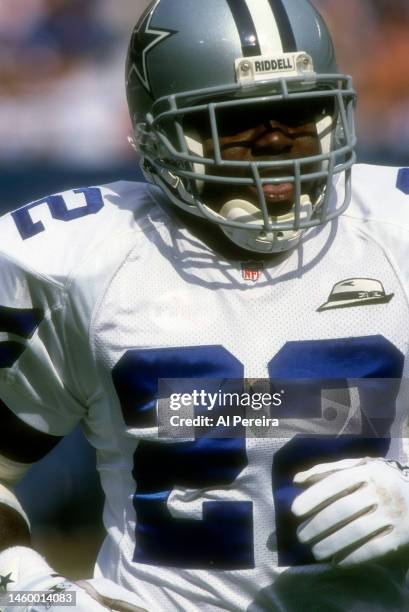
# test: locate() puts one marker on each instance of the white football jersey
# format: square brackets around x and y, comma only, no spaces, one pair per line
[103,293]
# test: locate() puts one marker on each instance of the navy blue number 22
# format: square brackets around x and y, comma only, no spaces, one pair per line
[223,539]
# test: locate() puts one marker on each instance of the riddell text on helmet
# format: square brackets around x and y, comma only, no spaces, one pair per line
[268,65]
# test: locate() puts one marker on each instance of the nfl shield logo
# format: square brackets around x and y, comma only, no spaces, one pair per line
[251,270]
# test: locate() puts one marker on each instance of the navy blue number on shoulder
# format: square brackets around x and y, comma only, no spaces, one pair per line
[19,322]
[58,209]
[223,539]
[402,182]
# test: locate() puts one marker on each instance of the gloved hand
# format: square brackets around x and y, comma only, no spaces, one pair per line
[355,510]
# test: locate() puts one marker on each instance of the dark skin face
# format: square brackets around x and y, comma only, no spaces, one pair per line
[263,133]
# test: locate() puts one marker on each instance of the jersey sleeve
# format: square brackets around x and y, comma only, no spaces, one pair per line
[380,207]
[36,380]
[46,368]
[34,364]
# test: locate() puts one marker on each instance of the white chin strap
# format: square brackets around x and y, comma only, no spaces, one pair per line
[258,240]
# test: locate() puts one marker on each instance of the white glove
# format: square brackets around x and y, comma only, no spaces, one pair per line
[23,569]
[356,509]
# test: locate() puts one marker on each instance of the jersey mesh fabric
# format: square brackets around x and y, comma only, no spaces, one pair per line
[158,288]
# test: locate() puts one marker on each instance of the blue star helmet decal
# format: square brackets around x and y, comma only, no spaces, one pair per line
[144,39]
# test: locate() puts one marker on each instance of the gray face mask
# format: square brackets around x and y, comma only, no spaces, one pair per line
[191,62]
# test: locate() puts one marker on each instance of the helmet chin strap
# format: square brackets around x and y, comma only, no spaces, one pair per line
[258,240]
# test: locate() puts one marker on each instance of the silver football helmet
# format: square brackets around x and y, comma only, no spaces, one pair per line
[191,63]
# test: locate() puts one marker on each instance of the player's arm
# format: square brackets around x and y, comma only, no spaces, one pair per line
[21,567]
[42,399]
[20,447]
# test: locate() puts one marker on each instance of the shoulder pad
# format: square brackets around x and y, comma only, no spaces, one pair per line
[380,194]
[53,235]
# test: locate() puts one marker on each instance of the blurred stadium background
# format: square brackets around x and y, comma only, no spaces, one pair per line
[64,123]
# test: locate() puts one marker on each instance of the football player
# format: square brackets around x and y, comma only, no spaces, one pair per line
[254,250]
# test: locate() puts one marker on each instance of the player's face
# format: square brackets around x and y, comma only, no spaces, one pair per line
[265,133]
